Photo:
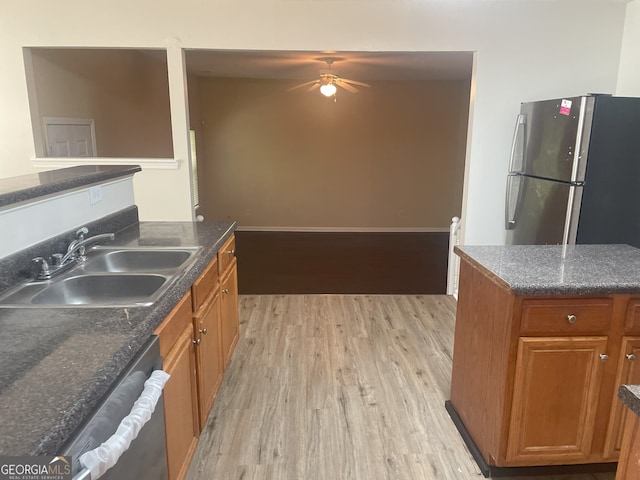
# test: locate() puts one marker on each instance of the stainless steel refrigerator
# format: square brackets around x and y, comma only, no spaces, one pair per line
[574,174]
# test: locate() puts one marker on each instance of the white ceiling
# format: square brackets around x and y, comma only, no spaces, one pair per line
[355,65]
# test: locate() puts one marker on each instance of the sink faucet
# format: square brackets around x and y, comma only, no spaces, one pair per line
[76,248]
[75,254]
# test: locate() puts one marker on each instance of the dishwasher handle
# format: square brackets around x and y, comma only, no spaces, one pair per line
[97,461]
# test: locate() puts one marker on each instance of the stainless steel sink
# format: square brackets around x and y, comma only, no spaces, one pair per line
[138,260]
[100,289]
[111,277]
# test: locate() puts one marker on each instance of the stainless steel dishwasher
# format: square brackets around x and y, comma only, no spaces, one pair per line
[146,456]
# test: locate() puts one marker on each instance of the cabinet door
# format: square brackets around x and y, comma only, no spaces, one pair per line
[628,372]
[208,354]
[180,403]
[230,315]
[556,387]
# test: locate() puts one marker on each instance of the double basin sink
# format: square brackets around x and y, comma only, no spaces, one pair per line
[110,277]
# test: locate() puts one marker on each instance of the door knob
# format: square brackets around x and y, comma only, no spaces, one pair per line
[572,319]
[604,357]
[225,290]
[630,356]
[203,331]
[197,342]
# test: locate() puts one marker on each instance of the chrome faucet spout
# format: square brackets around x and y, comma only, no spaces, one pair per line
[78,246]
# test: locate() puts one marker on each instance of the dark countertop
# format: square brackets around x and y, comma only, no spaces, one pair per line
[57,364]
[557,270]
[630,395]
[27,187]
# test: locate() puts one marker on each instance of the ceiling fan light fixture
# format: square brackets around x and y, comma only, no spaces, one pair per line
[328,89]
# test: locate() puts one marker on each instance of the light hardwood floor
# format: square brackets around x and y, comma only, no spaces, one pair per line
[339,387]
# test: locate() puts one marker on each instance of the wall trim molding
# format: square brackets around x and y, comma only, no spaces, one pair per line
[145,163]
[344,229]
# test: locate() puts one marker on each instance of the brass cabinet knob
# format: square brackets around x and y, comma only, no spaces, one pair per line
[604,357]
[203,331]
[571,319]
[630,356]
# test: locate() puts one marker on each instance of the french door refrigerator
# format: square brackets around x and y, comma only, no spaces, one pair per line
[574,174]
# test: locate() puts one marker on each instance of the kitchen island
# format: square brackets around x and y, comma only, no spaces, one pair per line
[544,337]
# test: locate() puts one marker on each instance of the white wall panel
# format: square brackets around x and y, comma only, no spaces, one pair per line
[29,223]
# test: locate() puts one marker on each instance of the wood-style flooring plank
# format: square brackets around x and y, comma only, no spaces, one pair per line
[325,387]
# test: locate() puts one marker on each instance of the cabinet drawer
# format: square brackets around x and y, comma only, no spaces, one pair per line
[632,323]
[226,254]
[566,316]
[203,286]
[170,329]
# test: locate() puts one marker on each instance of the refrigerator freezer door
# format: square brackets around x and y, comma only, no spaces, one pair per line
[552,134]
[540,214]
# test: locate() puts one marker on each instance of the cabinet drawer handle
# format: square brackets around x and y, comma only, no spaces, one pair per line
[203,331]
[604,357]
[225,290]
[232,252]
[630,356]
[571,319]
[197,342]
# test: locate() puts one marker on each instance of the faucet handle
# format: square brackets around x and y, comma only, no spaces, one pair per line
[44,271]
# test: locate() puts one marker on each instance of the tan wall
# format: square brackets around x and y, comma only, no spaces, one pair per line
[391,156]
[126,92]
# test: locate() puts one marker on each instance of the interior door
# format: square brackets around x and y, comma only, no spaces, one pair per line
[536,210]
[69,138]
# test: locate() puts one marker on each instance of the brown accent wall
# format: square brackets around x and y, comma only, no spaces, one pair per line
[389,157]
[344,263]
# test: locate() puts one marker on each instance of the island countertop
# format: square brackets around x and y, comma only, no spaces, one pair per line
[58,363]
[558,270]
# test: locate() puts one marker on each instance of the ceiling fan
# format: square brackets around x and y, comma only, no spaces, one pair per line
[329,81]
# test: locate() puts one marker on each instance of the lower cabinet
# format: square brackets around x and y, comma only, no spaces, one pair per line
[629,464]
[628,372]
[556,387]
[180,392]
[210,365]
[196,342]
[230,314]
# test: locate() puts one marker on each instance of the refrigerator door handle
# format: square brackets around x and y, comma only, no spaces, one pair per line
[514,183]
[516,162]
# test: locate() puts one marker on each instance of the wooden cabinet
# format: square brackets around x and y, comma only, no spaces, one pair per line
[210,365]
[629,465]
[557,381]
[196,342]
[230,314]
[628,372]
[535,378]
[180,392]
[228,271]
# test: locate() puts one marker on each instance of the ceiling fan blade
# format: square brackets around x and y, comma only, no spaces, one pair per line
[347,87]
[313,87]
[360,84]
[302,85]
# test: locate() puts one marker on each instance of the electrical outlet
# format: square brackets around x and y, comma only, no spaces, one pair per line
[95,195]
